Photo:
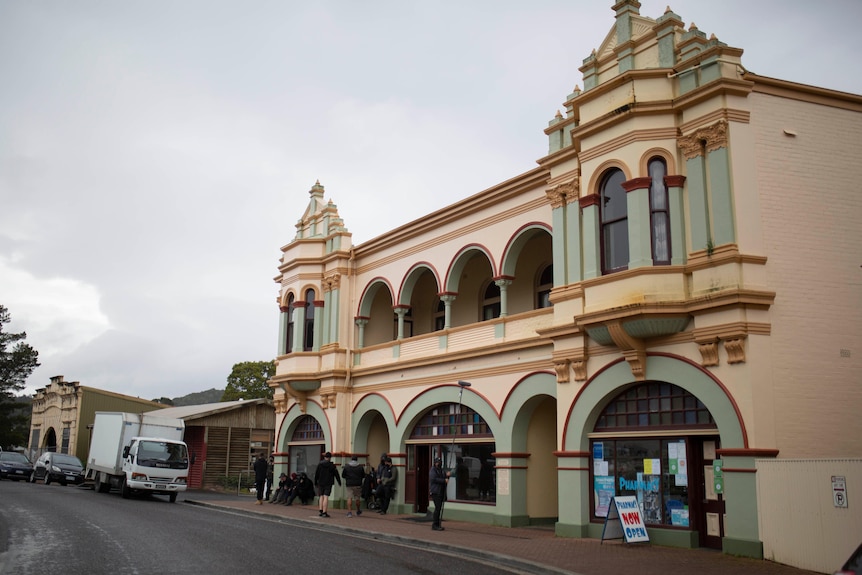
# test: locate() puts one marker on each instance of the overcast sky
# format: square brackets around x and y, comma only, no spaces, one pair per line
[154,156]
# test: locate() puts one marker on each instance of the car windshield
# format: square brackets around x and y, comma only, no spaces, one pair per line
[13,456]
[162,454]
[60,458]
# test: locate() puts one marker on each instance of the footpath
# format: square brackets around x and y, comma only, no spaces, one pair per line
[533,550]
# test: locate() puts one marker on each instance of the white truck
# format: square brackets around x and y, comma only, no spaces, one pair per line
[138,452]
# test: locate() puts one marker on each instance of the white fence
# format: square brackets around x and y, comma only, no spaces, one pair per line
[802,517]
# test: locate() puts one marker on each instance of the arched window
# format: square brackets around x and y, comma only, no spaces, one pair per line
[543,289]
[659,213]
[491,307]
[290,326]
[464,441]
[654,405]
[308,341]
[613,213]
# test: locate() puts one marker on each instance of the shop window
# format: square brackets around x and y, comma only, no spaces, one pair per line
[655,471]
[466,446]
[491,306]
[659,212]
[308,340]
[613,215]
[543,289]
[306,446]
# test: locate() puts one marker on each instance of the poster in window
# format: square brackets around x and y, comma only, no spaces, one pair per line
[651,499]
[604,492]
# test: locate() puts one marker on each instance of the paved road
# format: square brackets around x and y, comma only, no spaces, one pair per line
[56,529]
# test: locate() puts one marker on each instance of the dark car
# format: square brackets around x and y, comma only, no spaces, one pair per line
[853,565]
[58,467]
[15,466]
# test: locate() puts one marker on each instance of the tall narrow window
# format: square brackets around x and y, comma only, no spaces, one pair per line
[308,341]
[543,290]
[440,316]
[614,223]
[289,335]
[659,214]
[491,307]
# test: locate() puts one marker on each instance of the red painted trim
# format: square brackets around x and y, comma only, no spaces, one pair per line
[498,455]
[697,366]
[414,269]
[674,181]
[521,381]
[466,249]
[737,470]
[573,454]
[472,390]
[587,201]
[510,467]
[371,283]
[636,184]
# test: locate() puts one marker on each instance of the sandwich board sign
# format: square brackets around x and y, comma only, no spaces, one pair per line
[625,521]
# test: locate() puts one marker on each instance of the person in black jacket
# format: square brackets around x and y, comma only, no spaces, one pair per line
[437,481]
[353,475]
[261,467]
[303,489]
[324,478]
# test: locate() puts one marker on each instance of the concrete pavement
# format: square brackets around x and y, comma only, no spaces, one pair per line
[535,550]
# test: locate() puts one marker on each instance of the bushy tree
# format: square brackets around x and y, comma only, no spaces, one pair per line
[17,361]
[247,380]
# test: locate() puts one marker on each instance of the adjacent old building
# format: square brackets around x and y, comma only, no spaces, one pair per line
[666,304]
[63,413]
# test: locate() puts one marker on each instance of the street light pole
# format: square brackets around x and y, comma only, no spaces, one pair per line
[461,386]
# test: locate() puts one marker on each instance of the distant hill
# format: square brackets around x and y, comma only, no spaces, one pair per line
[201,397]
[208,396]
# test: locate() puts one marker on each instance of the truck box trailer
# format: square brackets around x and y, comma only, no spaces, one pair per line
[138,452]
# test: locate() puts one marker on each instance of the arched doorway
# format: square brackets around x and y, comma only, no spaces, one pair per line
[50,440]
[657,442]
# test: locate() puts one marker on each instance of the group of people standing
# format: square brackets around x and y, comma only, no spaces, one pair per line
[379,485]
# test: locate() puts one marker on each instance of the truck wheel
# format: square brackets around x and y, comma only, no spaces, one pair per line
[173,497]
[125,490]
[101,486]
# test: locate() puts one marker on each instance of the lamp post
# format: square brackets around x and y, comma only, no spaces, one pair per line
[461,386]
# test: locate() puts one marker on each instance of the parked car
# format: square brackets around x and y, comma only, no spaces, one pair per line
[58,467]
[15,466]
[853,566]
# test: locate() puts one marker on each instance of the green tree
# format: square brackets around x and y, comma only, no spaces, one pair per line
[17,362]
[247,380]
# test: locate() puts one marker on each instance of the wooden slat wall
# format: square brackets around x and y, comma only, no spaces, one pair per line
[217,454]
[240,455]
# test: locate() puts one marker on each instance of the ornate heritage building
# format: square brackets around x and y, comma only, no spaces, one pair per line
[666,303]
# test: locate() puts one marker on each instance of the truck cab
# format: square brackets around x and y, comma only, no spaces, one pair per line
[156,465]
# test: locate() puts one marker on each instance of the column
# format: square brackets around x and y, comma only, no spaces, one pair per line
[282,330]
[640,236]
[676,208]
[401,311]
[361,322]
[447,300]
[298,326]
[590,218]
[503,282]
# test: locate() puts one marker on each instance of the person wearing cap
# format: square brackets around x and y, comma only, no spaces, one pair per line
[437,481]
[324,478]
[353,474]
[283,489]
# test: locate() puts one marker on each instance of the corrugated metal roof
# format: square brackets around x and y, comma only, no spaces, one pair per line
[192,412]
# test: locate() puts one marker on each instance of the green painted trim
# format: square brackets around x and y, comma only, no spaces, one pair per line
[500,330]
[742,547]
[724,230]
[443,342]
[559,245]
[572,239]
[574,531]
[676,206]
[590,245]
[697,204]
[396,351]
[640,236]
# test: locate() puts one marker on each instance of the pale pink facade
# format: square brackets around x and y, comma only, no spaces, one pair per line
[671,296]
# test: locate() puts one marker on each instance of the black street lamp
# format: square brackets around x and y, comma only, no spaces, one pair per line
[461,385]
